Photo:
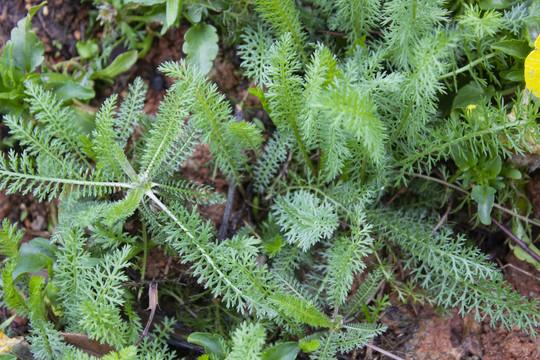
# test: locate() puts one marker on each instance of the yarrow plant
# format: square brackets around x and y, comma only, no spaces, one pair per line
[370,98]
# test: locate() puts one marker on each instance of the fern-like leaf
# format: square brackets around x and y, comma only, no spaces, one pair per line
[100,298]
[304,218]
[110,156]
[456,274]
[365,292]
[130,112]
[247,342]
[357,114]
[353,336]
[301,311]
[169,126]
[355,17]
[19,175]
[284,18]
[181,148]
[38,142]
[56,118]
[188,191]
[228,269]
[285,89]
[345,259]
[267,166]
[255,54]
[211,114]
[406,22]
[487,131]
[10,239]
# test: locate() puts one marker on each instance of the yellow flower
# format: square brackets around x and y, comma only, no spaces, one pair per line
[6,343]
[470,108]
[532,69]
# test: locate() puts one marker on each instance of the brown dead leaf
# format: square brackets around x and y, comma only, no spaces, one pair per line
[82,342]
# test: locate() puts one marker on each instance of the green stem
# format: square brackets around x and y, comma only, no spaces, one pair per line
[468,136]
[145,255]
[468,66]
[209,259]
[303,150]
[68,181]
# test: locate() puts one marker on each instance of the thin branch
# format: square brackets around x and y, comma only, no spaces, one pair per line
[495,205]
[443,219]
[522,244]
[520,270]
[145,256]
[224,227]
[152,306]
[384,352]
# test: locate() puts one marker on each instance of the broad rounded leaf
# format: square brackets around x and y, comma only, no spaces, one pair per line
[66,88]
[309,345]
[521,254]
[34,256]
[72,90]
[470,94]
[172,10]
[484,197]
[38,246]
[27,49]
[31,263]
[283,351]
[211,343]
[194,13]
[513,74]
[87,49]
[145,2]
[515,48]
[491,168]
[201,46]
[512,173]
[120,64]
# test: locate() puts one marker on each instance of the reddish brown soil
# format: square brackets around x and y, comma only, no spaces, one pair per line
[423,334]
[432,336]
[32,216]
[533,191]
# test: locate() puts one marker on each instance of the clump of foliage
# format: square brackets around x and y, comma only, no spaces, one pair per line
[136,23]
[408,95]
[20,61]
[127,31]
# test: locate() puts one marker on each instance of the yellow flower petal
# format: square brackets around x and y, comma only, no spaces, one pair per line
[470,108]
[532,69]
[6,343]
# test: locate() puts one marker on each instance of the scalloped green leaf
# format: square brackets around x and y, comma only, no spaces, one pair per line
[201,46]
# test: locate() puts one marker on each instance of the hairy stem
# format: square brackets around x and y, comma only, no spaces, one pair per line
[68,181]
